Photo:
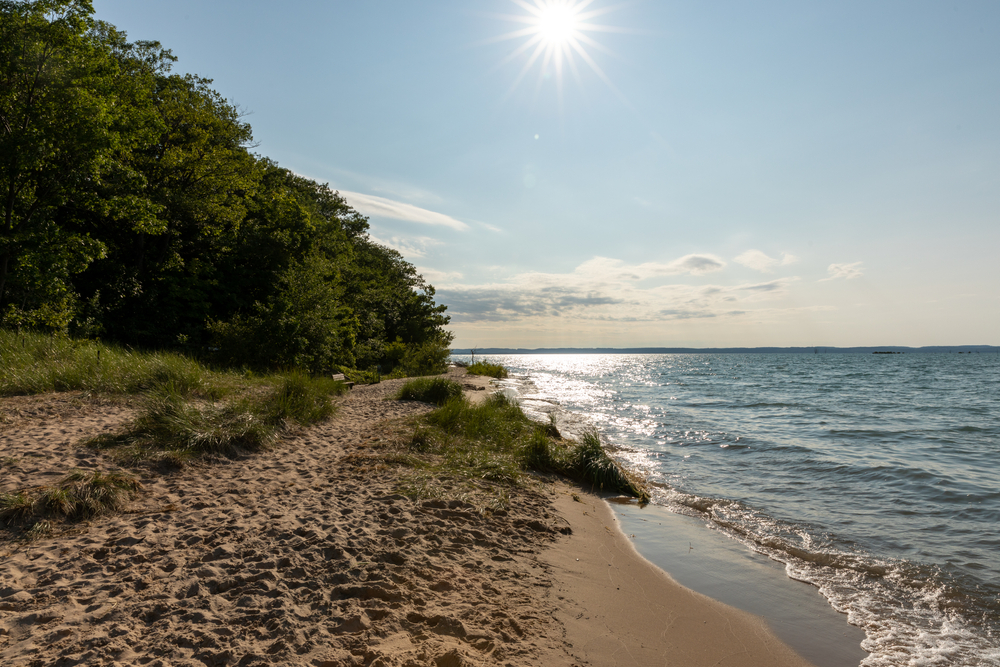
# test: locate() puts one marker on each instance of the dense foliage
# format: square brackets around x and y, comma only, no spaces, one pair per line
[133,208]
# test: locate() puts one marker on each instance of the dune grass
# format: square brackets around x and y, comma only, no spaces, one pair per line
[170,429]
[81,495]
[37,363]
[495,442]
[486,368]
[434,390]
[187,410]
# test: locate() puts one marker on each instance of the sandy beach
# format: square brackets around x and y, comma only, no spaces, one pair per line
[308,555]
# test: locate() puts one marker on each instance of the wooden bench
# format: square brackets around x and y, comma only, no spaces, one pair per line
[340,377]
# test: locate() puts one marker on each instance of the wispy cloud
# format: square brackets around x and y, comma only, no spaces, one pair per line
[615,269]
[845,271]
[410,247]
[605,289]
[435,277]
[759,261]
[388,208]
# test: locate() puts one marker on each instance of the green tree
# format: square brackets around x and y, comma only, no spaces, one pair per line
[304,325]
[63,99]
[161,281]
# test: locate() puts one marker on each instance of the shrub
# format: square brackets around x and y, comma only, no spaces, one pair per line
[486,368]
[430,390]
[429,358]
[496,441]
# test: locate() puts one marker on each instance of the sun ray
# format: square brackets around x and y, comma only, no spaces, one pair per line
[518,51]
[526,68]
[598,71]
[555,35]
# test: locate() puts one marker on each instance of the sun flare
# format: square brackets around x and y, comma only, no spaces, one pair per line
[555,37]
[557,24]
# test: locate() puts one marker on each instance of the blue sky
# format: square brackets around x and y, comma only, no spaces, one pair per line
[725,174]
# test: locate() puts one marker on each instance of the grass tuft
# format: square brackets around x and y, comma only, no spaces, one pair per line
[95,493]
[303,399]
[495,442]
[171,430]
[16,507]
[79,496]
[593,466]
[430,390]
[486,368]
[37,363]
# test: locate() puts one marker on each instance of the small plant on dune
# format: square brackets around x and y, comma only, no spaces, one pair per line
[593,466]
[39,530]
[171,430]
[303,399]
[95,493]
[486,368]
[58,501]
[80,495]
[496,442]
[16,507]
[430,390]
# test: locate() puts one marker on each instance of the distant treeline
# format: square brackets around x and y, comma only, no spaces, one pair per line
[968,349]
[133,209]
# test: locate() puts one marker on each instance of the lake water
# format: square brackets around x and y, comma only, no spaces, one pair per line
[874,477]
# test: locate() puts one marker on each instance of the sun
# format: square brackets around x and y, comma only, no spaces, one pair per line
[557,24]
[555,37]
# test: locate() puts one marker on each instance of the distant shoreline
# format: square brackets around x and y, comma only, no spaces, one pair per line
[962,349]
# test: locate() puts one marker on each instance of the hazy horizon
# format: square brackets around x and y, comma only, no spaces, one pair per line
[646,174]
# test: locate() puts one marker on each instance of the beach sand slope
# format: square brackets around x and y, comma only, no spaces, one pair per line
[308,555]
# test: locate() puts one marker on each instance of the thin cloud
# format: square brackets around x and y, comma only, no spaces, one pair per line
[696,265]
[759,261]
[408,247]
[607,290]
[616,269]
[435,277]
[381,207]
[845,271]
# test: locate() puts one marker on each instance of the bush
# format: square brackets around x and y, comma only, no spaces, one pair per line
[306,324]
[496,441]
[429,358]
[486,368]
[429,390]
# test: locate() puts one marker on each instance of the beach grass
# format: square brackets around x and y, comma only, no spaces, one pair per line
[187,409]
[494,442]
[434,390]
[486,368]
[38,363]
[81,495]
[171,429]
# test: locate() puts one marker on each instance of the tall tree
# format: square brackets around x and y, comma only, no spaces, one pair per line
[65,99]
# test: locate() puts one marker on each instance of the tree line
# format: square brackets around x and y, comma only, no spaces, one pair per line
[135,210]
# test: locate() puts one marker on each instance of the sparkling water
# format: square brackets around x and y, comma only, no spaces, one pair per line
[874,477]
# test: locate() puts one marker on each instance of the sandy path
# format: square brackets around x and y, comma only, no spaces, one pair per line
[301,556]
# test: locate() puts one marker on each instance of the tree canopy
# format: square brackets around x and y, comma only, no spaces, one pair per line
[134,208]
